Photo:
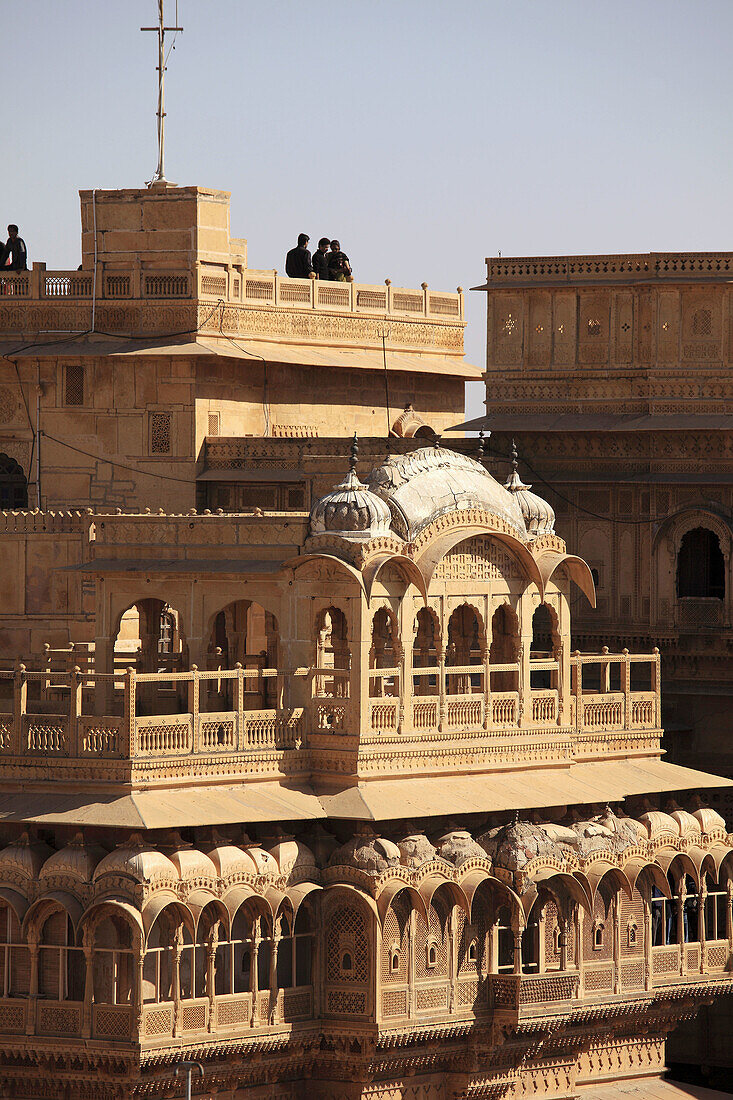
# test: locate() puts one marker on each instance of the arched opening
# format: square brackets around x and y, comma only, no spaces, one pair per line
[716,910]
[14,957]
[150,638]
[545,647]
[332,654]
[700,566]
[465,647]
[425,653]
[159,962]
[113,962]
[60,964]
[243,633]
[13,484]
[531,939]
[384,653]
[210,941]
[504,649]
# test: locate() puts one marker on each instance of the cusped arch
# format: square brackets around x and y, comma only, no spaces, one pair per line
[53,902]
[561,885]
[406,566]
[578,570]
[444,541]
[678,864]
[389,891]
[113,906]
[676,526]
[163,902]
[348,570]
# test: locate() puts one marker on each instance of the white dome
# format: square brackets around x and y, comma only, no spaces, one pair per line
[350,510]
[538,516]
[139,861]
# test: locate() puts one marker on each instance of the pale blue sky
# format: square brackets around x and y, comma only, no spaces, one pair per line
[425,134]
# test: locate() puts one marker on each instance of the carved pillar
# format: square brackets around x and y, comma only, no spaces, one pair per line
[30,1021]
[411,963]
[701,932]
[138,1002]
[88,944]
[194,685]
[517,937]
[729,913]
[441,691]
[129,722]
[177,952]
[212,943]
[525,682]
[452,959]
[487,686]
[648,934]
[578,932]
[681,899]
[616,911]
[75,707]
[20,704]
[626,685]
[563,942]
[404,720]
[254,979]
[541,956]
[274,947]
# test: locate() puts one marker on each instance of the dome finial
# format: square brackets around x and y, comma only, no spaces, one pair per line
[515,456]
[539,518]
[480,452]
[354,454]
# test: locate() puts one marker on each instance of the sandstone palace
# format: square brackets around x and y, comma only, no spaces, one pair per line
[302,776]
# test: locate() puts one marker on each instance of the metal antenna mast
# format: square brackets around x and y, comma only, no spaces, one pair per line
[160,30]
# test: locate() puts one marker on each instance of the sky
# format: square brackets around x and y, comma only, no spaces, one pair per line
[424,134]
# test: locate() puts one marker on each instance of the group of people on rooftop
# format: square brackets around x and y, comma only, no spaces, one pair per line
[328,262]
[14,256]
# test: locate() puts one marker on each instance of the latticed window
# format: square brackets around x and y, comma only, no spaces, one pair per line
[213,423]
[74,384]
[702,322]
[160,433]
[347,949]
[594,327]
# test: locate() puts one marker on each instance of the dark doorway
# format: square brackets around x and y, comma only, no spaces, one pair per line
[13,484]
[700,566]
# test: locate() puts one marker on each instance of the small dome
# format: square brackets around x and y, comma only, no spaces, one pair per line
[369,853]
[138,860]
[416,849]
[688,823]
[190,862]
[292,855]
[25,857]
[538,516]
[457,845]
[351,509]
[265,864]
[659,824]
[514,846]
[76,861]
[710,821]
[230,860]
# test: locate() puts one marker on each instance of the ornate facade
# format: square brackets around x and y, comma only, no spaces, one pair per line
[612,373]
[334,803]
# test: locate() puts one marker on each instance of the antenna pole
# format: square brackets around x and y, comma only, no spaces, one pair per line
[160,30]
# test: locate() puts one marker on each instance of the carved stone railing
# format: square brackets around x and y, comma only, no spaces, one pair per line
[699,614]
[247,288]
[511,991]
[663,266]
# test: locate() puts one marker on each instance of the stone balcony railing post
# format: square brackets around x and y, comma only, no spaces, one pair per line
[485,661]
[626,673]
[193,704]
[20,705]
[656,686]
[76,688]
[129,725]
[576,687]
[390,295]
[524,717]
[239,705]
[425,304]
[442,706]
[38,280]
[136,287]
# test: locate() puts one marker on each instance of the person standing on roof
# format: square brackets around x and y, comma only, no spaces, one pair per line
[15,254]
[338,264]
[298,263]
[320,259]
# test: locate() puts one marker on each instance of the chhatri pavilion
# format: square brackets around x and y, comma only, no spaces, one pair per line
[332,807]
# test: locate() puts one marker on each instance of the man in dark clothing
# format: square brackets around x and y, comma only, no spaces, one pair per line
[14,250]
[298,260]
[320,259]
[338,263]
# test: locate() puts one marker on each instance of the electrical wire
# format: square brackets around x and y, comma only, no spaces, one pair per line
[118,465]
[579,507]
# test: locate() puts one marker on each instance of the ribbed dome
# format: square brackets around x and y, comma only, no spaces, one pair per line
[688,823]
[190,862]
[265,864]
[434,481]
[710,820]
[457,845]
[139,861]
[514,846]
[538,516]
[369,853]
[350,509]
[292,855]
[76,861]
[659,824]
[230,860]
[24,856]
[416,849]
